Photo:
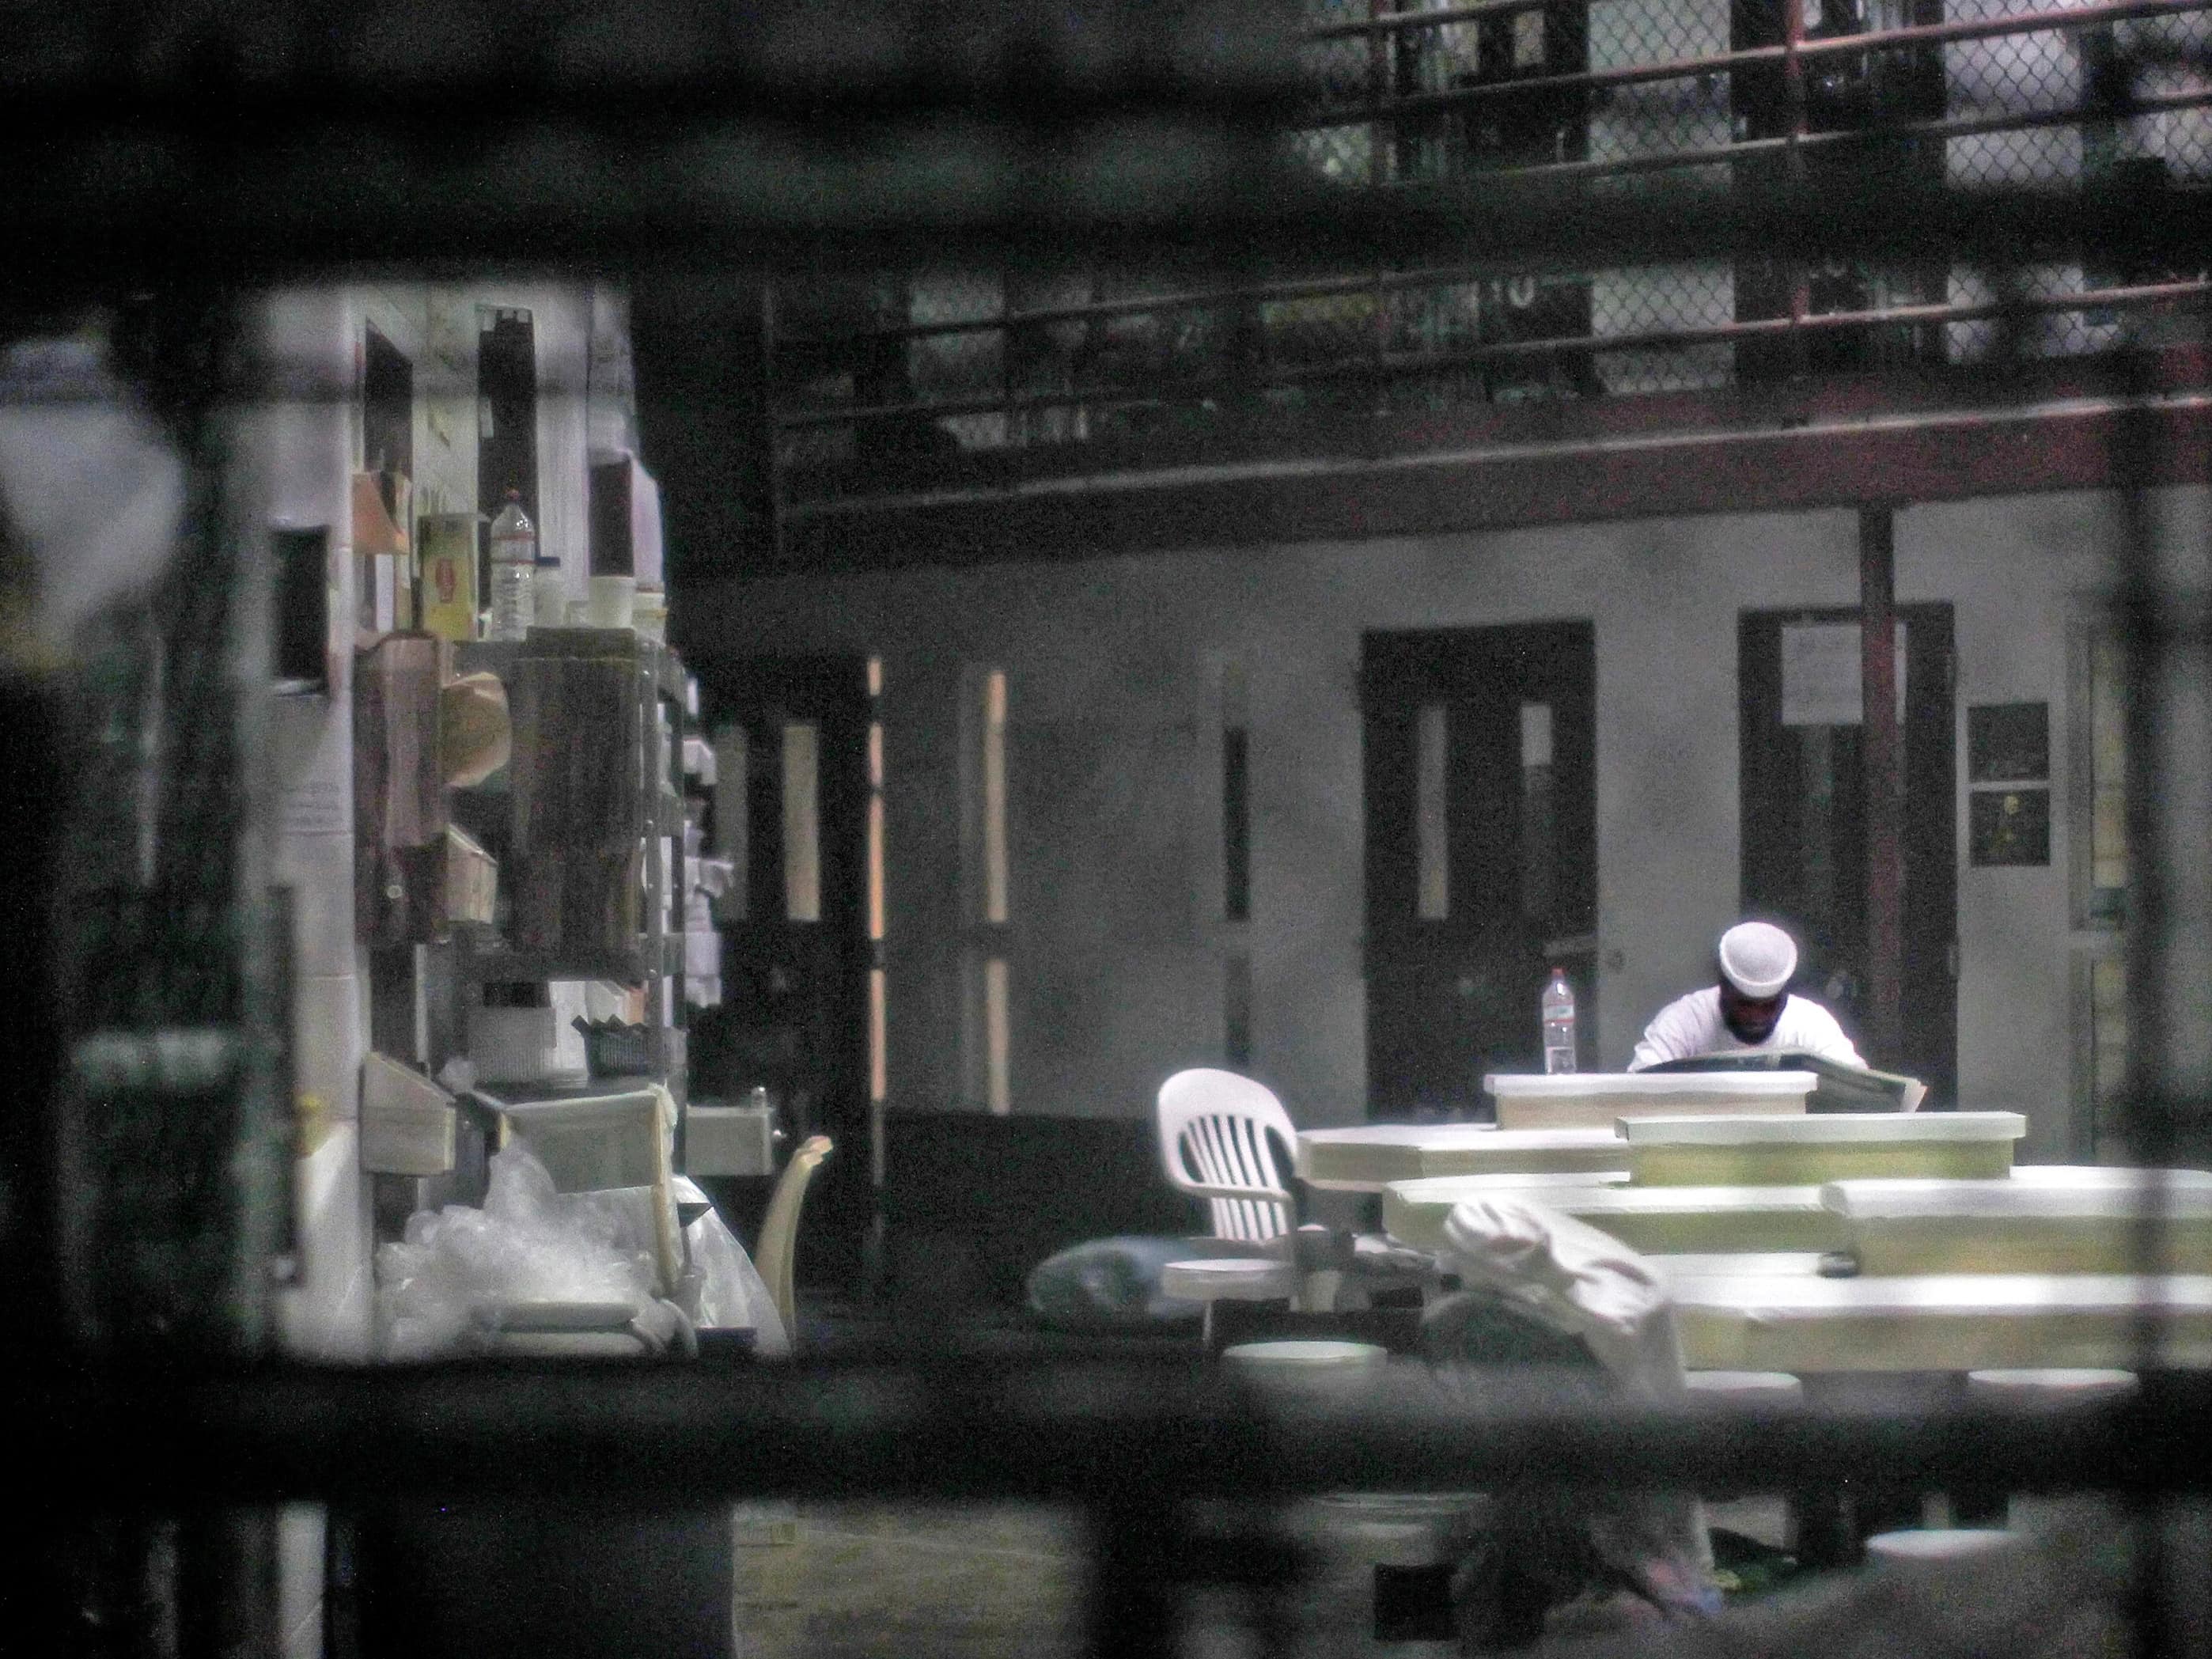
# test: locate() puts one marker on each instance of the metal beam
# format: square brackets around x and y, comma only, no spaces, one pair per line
[1947,457]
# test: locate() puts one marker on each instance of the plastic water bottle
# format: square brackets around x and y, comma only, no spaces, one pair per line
[513,570]
[1558,1022]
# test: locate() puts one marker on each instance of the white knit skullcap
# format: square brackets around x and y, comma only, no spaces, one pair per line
[1758,957]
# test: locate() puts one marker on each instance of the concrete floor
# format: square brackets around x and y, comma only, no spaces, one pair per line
[907,1581]
[870,1582]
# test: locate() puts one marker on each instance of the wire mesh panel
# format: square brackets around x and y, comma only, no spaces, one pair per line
[1592,101]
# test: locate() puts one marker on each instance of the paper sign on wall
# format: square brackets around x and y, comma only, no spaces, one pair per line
[1821,684]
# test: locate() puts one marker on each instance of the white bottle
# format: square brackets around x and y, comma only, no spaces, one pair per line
[513,571]
[1558,1023]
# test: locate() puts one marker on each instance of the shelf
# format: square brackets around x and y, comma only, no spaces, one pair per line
[663,666]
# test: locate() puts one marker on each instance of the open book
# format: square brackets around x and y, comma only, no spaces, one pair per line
[1842,1088]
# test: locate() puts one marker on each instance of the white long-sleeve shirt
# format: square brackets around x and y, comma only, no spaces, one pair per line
[1692,1025]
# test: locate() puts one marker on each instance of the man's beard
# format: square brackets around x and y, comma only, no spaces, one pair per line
[1743,1033]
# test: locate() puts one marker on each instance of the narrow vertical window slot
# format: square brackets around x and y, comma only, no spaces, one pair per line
[876,832]
[878,1071]
[1235,797]
[1538,836]
[998,1036]
[1237,1011]
[1432,733]
[802,821]
[994,796]
[2108,1034]
[1236,827]
[987,1016]
[2108,823]
[733,821]
[878,988]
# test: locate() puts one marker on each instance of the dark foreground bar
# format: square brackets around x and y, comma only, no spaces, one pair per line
[980,1428]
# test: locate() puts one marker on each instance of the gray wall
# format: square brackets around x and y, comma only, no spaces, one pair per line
[1114,666]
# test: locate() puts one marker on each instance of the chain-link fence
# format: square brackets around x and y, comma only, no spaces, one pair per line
[1581,96]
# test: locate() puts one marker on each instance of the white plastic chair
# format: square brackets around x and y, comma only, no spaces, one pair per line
[779,1233]
[1214,1129]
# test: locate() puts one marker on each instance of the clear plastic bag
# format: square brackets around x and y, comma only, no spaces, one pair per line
[528,1243]
[731,1293]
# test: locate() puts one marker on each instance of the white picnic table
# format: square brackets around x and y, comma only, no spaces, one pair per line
[1805,1324]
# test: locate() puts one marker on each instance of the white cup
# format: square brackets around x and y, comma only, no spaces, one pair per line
[550,599]
[613,601]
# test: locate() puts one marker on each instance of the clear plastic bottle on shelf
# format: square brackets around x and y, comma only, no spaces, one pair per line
[1558,1022]
[513,571]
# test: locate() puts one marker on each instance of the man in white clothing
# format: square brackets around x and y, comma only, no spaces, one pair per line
[1750,1009]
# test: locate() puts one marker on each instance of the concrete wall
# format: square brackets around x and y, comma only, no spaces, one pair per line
[1114,667]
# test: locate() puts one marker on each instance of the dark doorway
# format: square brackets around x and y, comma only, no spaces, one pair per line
[1804,819]
[1482,853]
[790,809]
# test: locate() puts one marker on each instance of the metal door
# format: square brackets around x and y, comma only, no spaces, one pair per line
[1482,853]
[1804,819]
[790,809]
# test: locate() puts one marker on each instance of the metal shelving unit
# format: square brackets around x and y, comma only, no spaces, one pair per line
[652,959]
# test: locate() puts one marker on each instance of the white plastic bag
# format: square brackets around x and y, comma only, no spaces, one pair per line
[528,1243]
[731,1293]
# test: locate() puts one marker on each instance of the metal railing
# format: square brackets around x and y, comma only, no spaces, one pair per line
[2107,99]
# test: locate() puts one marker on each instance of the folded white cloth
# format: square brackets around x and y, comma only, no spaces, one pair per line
[1575,1279]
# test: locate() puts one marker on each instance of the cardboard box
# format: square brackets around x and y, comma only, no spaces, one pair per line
[407,1121]
[449,574]
[729,1140]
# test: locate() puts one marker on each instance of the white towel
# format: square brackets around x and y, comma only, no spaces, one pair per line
[1576,1281]
[1573,1278]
